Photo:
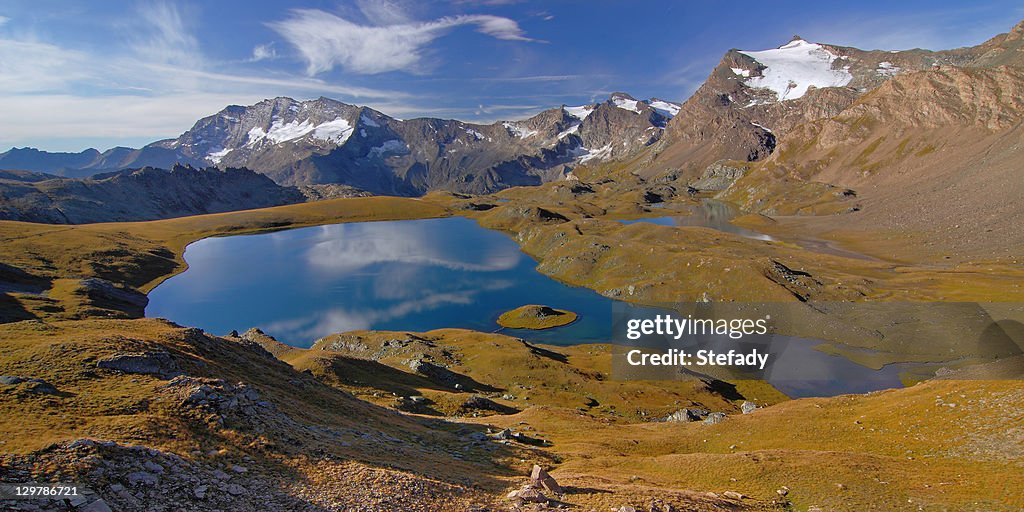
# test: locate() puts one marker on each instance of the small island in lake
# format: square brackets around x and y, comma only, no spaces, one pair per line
[533,316]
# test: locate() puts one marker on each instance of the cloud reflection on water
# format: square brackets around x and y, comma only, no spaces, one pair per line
[345,248]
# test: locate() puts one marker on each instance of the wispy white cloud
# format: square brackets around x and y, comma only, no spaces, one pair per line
[385,12]
[167,38]
[33,67]
[4,20]
[326,41]
[263,52]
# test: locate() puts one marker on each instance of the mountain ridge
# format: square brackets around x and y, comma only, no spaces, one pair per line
[327,141]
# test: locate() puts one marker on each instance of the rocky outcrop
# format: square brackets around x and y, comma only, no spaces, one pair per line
[436,373]
[159,364]
[30,384]
[719,175]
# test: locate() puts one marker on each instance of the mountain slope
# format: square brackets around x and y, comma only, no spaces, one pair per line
[752,98]
[935,153]
[143,194]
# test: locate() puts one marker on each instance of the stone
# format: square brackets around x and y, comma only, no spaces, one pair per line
[733,495]
[154,467]
[11,380]
[541,478]
[238,469]
[31,385]
[748,407]
[434,372]
[482,403]
[96,506]
[685,415]
[160,364]
[528,495]
[142,478]
[101,290]
[715,417]
[503,434]
[236,490]
[200,491]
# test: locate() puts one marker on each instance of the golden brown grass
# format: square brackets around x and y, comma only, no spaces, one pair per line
[533,316]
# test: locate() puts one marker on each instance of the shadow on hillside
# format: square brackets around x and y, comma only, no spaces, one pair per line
[11,310]
[543,352]
[362,372]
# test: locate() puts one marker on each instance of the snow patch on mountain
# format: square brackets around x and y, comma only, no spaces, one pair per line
[665,108]
[626,104]
[256,134]
[571,130]
[580,112]
[741,72]
[369,121]
[337,131]
[282,132]
[888,69]
[518,131]
[389,146]
[216,156]
[792,69]
[598,154]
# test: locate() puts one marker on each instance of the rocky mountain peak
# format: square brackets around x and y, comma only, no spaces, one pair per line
[1018,30]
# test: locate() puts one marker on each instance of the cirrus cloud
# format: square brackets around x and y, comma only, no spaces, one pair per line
[326,41]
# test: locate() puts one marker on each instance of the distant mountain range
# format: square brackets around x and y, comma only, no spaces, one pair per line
[325,141]
[806,128]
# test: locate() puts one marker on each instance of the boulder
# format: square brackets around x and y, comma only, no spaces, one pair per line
[482,403]
[31,385]
[103,291]
[541,478]
[748,407]
[685,415]
[436,373]
[715,417]
[528,495]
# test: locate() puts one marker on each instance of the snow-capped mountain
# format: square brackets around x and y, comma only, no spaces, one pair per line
[325,141]
[753,97]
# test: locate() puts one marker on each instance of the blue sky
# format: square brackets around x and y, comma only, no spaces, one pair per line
[77,74]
